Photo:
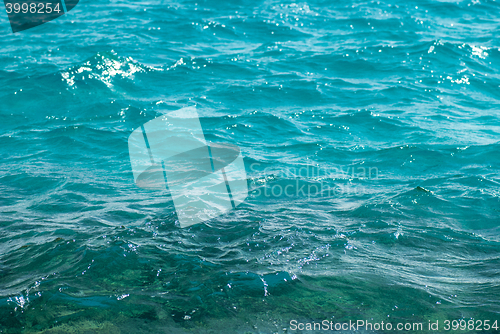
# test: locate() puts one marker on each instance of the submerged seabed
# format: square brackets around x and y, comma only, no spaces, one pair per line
[392,104]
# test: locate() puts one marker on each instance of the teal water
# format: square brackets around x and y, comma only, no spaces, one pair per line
[380,118]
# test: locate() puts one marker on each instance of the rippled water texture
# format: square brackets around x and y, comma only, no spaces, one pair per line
[392,104]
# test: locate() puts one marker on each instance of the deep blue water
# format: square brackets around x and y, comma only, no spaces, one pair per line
[392,105]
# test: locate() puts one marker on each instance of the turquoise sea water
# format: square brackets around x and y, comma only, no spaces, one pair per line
[391,105]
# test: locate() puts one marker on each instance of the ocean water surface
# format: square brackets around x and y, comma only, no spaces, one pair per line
[370,135]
